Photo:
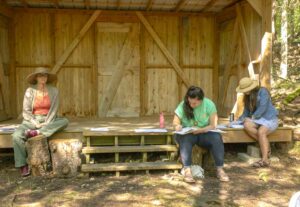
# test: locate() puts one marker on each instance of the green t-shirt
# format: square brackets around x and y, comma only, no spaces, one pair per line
[201,114]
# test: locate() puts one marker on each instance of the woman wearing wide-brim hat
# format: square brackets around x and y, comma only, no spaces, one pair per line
[40,107]
[259,116]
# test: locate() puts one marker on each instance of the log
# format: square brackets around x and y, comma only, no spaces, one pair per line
[197,155]
[65,155]
[38,155]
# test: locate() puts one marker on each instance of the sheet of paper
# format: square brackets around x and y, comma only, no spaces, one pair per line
[222,126]
[186,130]
[217,130]
[150,130]
[237,126]
[99,129]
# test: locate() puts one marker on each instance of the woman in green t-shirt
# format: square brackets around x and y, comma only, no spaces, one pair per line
[198,111]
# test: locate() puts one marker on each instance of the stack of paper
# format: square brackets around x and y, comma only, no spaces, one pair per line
[151,130]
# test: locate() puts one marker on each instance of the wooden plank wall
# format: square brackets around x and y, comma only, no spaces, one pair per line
[5,63]
[252,22]
[150,85]
[40,39]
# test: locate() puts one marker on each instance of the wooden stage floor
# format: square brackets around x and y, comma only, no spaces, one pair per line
[123,126]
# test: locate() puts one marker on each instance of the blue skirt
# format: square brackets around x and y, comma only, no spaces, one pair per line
[272,124]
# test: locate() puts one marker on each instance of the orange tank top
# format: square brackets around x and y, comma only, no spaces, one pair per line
[41,105]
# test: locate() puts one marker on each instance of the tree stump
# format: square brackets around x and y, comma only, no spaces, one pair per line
[197,155]
[65,155]
[38,155]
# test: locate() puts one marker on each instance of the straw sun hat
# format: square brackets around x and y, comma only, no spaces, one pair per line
[246,84]
[31,78]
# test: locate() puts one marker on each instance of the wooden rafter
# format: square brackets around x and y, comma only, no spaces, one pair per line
[75,42]
[149,5]
[87,4]
[163,48]
[208,5]
[179,5]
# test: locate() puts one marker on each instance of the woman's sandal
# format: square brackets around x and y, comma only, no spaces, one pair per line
[261,163]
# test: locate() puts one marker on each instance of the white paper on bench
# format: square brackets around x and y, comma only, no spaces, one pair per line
[9,128]
[150,130]
[217,130]
[237,126]
[99,129]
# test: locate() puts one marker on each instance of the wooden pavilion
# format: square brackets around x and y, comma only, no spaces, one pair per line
[132,58]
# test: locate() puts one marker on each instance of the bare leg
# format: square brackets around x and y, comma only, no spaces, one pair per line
[264,142]
[251,129]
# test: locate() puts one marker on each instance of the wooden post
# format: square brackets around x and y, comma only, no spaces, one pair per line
[144,153]
[143,73]
[75,42]
[38,155]
[117,158]
[4,90]
[266,56]
[163,48]
[266,43]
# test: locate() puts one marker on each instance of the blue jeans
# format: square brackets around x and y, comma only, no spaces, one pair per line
[210,140]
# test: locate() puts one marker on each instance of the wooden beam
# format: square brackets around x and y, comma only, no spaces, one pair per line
[266,46]
[6,11]
[112,87]
[75,42]
[208,5]
[163,48]
[179,5]
[111,12]
[3,87]
[216,59]
[256,5]
[143,73]
[149,5]
[266,56]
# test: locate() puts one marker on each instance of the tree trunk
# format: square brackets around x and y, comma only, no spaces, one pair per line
[65,155]
[284,40]
[38,155]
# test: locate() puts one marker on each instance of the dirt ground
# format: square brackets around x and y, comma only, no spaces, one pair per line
[248,187]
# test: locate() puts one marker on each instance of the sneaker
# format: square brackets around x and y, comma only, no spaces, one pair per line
[222,176]
[25,171]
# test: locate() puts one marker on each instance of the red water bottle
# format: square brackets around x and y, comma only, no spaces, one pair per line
[161,120]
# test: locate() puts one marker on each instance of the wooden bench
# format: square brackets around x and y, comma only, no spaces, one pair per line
[282,134]
[125,140]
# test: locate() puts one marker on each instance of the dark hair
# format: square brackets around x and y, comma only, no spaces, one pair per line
[251,99]
[192,92]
